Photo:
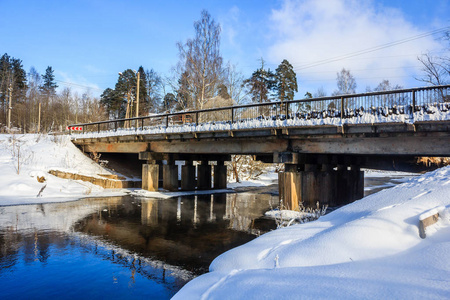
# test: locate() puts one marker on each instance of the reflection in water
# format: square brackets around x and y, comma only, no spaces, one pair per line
[187,231]
[121,246]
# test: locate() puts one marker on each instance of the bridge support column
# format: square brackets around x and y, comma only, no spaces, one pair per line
[290,186]
[320,184]
[188,176]
[150,177]
[220,175]
[204,176]
[349,184]
[170,176]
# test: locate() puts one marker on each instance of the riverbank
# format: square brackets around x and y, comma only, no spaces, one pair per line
[369,249]
[25,161]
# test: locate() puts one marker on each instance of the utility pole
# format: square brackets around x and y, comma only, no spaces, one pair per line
[137,94]
[39,119]
[127,112]
[9,107]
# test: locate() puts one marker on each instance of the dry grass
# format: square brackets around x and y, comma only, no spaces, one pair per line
[434,161]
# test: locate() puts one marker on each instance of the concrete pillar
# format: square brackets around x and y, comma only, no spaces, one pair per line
[150,177]
[188,176]
[161,168]
[204,176]
[358,179]
[170,176]
[318,186]
[220,175]
[292,189]
[327,186]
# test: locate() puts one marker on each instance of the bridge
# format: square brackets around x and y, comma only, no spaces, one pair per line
[323,142]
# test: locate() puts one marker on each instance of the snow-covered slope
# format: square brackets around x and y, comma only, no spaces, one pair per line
[368,249]
[25,157]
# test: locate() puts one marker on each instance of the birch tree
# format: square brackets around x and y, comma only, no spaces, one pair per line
[200,61]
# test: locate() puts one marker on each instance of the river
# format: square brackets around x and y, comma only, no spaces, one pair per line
[124,247]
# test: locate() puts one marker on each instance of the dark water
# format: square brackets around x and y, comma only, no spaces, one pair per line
[121,247]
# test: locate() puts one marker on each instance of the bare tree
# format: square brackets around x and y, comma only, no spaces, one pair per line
[201,62]
[346,83]
[234,81]
[437,68]
[389,99]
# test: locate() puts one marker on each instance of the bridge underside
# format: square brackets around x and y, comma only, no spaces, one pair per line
[319,160]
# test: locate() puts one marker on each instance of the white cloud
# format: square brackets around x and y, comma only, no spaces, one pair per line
[307,32]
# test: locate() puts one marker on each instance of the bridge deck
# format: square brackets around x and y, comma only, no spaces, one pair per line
[401,122]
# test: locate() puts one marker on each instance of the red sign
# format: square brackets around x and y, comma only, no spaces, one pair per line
[75,128]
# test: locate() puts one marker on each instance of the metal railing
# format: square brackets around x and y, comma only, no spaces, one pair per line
[398,102]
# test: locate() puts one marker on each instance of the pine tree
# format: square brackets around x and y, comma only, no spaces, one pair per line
[286,81]
[144,98]
[260,84]
[5,81]
[112,102]
[19,80]
[169,102]
[125,90]
[12,75]
[49,86]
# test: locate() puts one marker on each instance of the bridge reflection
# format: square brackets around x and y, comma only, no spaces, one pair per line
[186,231]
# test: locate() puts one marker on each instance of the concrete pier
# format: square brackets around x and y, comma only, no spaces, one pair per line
[220,175]
[204,176]
[150,176]
[170,176]
[331,187]
[188,176]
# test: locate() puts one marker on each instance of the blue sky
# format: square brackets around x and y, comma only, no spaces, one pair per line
[87,42]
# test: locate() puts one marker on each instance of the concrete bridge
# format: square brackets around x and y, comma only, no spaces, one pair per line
[323,142]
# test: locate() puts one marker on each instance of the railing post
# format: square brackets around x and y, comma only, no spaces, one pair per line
[115,126]
[413,101]
[342,107]
[232,115]
[167,121]
[287,109]
[142,124]
[98,127]
[196,118]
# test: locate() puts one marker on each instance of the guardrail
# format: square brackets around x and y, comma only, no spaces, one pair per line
[400,102]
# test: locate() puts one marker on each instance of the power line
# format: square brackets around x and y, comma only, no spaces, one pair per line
[71,84]
[372,49]
[362,78]
[358,70]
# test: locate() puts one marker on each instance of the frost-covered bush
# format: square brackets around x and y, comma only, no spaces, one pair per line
[285,218]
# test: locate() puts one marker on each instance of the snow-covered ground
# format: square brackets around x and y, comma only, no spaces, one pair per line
[369,249]
[24,158]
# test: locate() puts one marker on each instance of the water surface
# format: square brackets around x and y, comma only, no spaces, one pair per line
[121,247]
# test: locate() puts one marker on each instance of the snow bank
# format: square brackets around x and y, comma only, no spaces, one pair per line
[24,158]
[368,249]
